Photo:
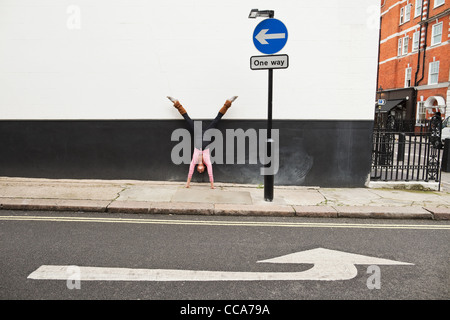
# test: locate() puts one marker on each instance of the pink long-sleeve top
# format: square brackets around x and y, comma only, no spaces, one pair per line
[206,160]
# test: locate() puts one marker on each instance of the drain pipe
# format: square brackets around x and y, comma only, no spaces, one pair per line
[424,49]
[378,64]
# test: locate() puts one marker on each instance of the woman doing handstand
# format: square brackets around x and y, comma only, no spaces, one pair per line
[201,156]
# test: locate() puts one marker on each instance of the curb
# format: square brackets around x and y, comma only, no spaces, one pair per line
[191,208]
[54,204]
[439,213]
[384,212]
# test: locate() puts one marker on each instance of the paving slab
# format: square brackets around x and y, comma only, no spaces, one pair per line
[158,193]
[302,197]
[382,212]
[47,190]
[211,196]
[410,195]
[257,196]
[383,202]
[348,196]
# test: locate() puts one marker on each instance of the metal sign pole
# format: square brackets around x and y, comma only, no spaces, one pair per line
[275,31]
[268,178]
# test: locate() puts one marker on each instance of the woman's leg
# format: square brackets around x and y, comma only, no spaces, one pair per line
[189,121]
[222,111]
[216,120]
[183,112]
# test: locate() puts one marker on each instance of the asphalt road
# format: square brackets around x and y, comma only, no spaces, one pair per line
[229,244]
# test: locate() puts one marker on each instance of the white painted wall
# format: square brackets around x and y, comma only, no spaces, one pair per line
[119,59]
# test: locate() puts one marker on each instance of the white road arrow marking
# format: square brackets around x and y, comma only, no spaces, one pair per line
[329,265]
[262,36]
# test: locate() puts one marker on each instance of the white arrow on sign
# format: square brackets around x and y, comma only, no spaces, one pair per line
[329,265]
[262,36]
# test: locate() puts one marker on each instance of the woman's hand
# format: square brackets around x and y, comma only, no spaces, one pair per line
[188,183]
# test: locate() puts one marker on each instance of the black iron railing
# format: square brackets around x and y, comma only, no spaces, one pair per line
[407,156]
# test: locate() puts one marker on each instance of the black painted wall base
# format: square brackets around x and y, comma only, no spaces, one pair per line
[312,153]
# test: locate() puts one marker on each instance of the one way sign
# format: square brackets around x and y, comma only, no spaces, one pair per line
[270,36]
[279,61]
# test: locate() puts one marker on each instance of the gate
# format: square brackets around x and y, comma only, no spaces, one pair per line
[402,153]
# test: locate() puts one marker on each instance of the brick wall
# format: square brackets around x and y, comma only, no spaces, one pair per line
[397,26]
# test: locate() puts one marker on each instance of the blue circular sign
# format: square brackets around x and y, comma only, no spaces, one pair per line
[270,36]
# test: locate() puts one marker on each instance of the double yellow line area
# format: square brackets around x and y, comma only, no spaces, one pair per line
[235,223]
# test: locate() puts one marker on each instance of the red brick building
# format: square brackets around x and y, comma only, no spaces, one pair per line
[414,60]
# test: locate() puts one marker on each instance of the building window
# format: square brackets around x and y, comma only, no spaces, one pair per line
[436,34]
[416,38]
[421,115]
[408,77]
[418,9]
[407,12]
[405,45]
[438,3]
[433,73]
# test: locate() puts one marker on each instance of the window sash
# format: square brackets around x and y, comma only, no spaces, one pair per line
[405,45]
[433,76]
[436,34]
[407,13]
[416,39]
[420,117]
[408,72]
[418,9]
[438,3]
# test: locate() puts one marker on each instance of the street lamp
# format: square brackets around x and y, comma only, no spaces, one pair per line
[254,13]
[268,178]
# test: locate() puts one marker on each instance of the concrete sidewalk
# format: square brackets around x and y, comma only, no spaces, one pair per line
[158,197]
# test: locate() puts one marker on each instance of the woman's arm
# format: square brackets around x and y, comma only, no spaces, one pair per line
[195,158]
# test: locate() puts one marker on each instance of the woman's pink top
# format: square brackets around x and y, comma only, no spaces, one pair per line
[206,161]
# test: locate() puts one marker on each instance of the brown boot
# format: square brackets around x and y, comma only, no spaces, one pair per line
[180,108]
[227,104]
[225,107]
[177,105]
